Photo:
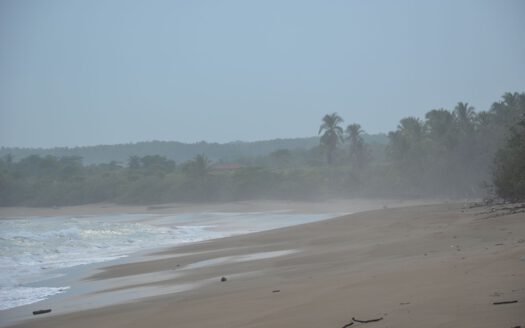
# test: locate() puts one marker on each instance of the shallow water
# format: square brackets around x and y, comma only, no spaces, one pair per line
[37,249]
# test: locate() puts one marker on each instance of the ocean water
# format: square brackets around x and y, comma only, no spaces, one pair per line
[37,249]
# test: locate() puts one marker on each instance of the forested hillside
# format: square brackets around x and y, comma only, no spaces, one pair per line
[177,151]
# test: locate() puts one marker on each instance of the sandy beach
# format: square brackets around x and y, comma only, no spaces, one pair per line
[327,206]
[419,266]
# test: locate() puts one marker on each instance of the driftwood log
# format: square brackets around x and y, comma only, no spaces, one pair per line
[505,302]
[348,325]
[41,311]
[367,321]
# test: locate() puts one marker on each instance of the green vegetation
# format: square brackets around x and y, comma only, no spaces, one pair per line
[509,172]
[452,153]
[448,154]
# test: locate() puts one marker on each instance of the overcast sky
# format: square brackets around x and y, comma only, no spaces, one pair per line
[103,72]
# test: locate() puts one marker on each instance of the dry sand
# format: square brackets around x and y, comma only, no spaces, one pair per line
[425,266]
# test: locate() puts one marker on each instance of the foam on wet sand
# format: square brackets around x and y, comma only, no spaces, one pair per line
[37,253]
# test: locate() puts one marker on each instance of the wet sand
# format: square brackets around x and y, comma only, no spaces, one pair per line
[424,266]
[329,206]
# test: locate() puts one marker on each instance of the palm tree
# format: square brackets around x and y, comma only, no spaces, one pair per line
[412,128]
[357,146]
[441,128]
[332,134]
[510,109]
[513,99]
[465,116]
[407,141]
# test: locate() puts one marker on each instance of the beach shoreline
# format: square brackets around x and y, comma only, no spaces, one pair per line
[223,220]
[312,275]
[309,207]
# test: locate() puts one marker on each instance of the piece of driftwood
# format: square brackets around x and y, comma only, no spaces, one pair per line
[347,325]
[276,291]
[367,321]
[37,312]
[505,302]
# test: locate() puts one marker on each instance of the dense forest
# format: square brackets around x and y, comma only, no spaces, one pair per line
[458,153]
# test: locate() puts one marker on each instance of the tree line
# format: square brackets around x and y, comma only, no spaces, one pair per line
[460,152]
[449,153]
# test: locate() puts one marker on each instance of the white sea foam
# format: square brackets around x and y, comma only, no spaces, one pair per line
[36,249]
[31,250]
[16,296]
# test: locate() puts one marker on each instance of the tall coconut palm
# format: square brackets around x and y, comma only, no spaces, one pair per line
[441,128]
[407,141]
[465,116]
[510,109]
[357,146]
[513,99]
[412,128]
[332,134]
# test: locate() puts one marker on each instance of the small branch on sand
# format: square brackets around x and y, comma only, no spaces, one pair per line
[348,325]
[505,302]
[367,321]
[41,311]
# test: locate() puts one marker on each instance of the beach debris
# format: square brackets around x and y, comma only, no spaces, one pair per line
[37,312]
[223,279]
[276,291]
[404,303]
[505,302]
[502,209]
[367,321]
[348,325]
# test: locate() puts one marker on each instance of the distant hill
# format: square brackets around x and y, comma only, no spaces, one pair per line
[180,152]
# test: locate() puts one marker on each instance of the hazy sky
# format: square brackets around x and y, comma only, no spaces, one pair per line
[102,72]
